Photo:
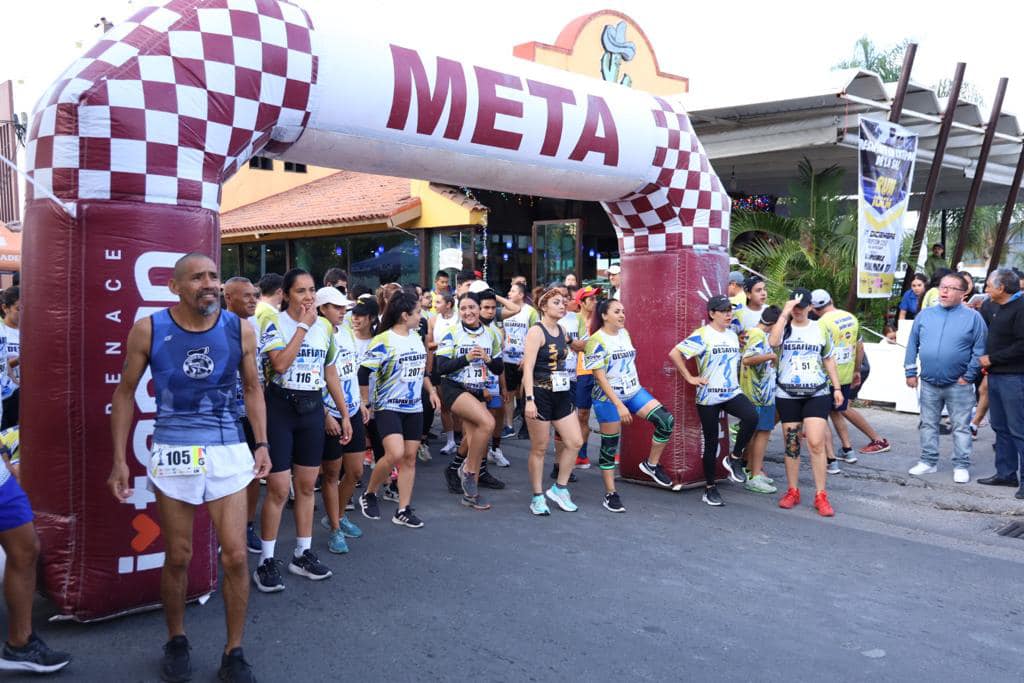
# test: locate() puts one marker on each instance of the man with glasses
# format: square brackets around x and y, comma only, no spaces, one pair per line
[949,340]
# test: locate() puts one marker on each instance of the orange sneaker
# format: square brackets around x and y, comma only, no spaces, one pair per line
[368,458]
[791,499]
[822,505]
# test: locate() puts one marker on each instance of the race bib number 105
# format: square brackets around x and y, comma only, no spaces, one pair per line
[177,461]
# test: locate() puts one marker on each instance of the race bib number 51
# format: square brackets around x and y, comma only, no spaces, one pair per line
[177,461]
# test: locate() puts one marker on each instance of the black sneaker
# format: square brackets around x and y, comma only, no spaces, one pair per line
[712,497]
[475,502]
[390,492]
[177,664]
[307,564]
[252,540]
[734,466]
[489,481]
[656,473]
[554,475]
[612,503]
[267,576]
[406,517]
[368,504]
[234,668]
[36,657]
[452,478]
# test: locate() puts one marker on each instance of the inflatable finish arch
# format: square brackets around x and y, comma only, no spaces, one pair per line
[135,140]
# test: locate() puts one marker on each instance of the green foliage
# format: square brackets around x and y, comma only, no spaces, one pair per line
[981,238]
[886,62]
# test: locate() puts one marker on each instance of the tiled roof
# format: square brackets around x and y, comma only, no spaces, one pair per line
[344,197]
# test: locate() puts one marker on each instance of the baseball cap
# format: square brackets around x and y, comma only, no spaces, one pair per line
[770,315]
[736,277]
[584,292]
[719,302]
[614,270]
[479,286]
[802,297]
[331,295]
[820,298]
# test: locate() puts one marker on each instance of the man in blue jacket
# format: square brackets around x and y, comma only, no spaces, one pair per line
[949,339]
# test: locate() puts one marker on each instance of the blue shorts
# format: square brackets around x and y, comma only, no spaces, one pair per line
[14,506]
[765,418]
[495,402]
[583,392]
[606,412]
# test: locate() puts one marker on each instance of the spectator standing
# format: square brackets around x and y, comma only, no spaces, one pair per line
[936,260]
[615,278]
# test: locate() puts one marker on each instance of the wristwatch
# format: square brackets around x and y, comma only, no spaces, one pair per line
[261,444]
[529,398]
[303,326]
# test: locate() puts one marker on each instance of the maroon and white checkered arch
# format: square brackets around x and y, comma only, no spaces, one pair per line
[130,146]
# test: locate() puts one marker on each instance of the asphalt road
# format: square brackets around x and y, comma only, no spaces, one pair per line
[908,581]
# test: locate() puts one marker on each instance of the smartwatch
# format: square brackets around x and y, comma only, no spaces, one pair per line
[529,398]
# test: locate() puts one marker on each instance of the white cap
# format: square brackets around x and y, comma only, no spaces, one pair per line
[614,270]
[331,295]
[479,286]
[820,298]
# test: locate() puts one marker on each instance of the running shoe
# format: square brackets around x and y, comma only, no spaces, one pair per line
[759,484]
[922,468]
[657,473]
[617,462]
[539,506]
[496,457]
[406,517]
[252,539]
[325,522]
[336,543]
[475,502]
[469,483]
[349,505]
[734,466]
[451,476]
[554,474]
[368,461]
[489,481]
[508,432]
[582,463]
[833,467]
[349,528]
[612,503]
[307,564]
[267,576]
[822,505]
[790,500]
[177,663]
[423,453]
[368,505]
[390,493]
[37,657]
[234,668]
[712,497]
[449,448]
[880,446]
[561,498]
[847,455]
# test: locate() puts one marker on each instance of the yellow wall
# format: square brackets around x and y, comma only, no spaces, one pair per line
[438,211]
[585,55]
[251,185]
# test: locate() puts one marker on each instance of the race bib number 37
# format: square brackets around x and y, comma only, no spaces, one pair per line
[177,461]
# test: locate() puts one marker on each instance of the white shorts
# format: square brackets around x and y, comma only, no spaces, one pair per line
[228,470]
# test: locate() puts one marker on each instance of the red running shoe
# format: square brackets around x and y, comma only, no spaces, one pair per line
[616,458]
[822,505]
[880,446]
[582,463]
[791,499]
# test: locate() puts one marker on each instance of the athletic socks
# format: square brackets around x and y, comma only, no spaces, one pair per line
[267,550]
[302,544]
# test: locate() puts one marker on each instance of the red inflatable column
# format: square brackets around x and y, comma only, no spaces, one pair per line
[665,296]
[86,280]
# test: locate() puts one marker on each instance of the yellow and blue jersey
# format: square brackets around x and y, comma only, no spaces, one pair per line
[397,363]
[318,350]
[718,359]
[616,355]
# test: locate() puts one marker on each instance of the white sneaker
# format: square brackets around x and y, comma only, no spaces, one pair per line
[833,467]
[449,448]
[961,475]
[496,457]
[922,468]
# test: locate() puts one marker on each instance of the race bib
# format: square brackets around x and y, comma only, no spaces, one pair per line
[843,355]
[177,461]
[412,370]
[560,381]
[629,383]
[304,375]
[475,374]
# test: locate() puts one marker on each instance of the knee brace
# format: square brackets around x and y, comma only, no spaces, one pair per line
[609,449]
[793,443]
[663,423]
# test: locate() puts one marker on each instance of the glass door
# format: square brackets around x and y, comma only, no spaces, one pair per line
[556,248]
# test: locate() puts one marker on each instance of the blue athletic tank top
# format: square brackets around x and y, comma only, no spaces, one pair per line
[194,380]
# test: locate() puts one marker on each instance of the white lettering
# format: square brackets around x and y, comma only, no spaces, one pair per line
[115,316]
[111,379]
[145,402]
[113,285]
[146,311]
[149,291]
[140,441]
[109,408]
[112,254]
[113,348]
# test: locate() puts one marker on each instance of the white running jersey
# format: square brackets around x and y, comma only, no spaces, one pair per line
[570,322]
[347,364]
[306,373]
[459,341]
[11,380]
[615,355]
[442,325]
[801,372]
[718,359]
[516,328]
[398,363]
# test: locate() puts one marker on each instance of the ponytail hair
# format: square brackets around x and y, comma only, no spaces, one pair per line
[597,317]
[401,302]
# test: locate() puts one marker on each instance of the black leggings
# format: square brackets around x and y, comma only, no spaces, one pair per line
[739,407]
[428,412]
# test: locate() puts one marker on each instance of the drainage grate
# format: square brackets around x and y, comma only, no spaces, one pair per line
[1013,530]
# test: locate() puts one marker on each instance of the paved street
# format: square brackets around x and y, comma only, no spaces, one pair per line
[908,581]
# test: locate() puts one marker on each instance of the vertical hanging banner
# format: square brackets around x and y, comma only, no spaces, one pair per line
[886,168]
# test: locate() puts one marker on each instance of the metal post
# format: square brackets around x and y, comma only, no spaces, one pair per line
[933,173]
[979,173]
[1004,222]
[894,117]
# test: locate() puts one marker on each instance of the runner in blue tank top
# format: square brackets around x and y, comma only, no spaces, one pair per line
[194,351]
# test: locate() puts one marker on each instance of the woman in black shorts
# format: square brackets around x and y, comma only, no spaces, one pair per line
[464,355]
[549,402]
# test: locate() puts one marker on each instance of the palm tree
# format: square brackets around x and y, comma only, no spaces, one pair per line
[887,62]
